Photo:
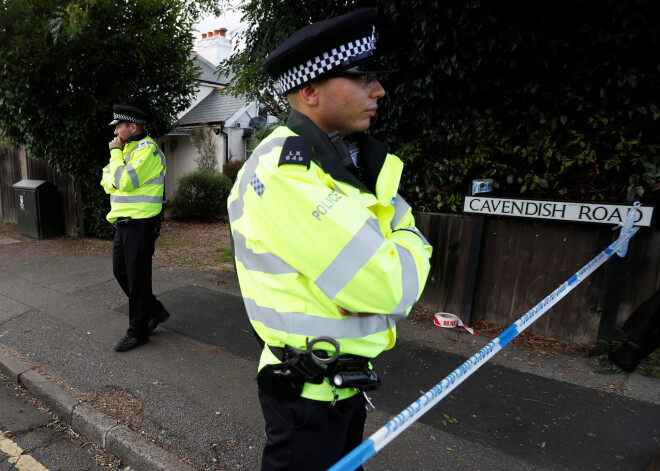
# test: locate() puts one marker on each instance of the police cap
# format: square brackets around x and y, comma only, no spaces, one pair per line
[344,44]
[130,114]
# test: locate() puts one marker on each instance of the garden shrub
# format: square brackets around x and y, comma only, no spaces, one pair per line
[201,196]
[556,100]
[231,169]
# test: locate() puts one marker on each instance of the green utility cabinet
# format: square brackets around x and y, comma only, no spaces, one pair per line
[37,209]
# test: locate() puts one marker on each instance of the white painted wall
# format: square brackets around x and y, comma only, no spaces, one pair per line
[181,158]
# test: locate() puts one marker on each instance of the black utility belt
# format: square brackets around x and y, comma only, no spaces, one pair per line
[285,381]
[125,221]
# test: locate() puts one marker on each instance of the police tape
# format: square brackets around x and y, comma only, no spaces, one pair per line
[483,185]
[449,321]
[414,411]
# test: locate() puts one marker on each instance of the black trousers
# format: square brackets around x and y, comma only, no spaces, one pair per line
[644,325]
[132,250]
[307,435]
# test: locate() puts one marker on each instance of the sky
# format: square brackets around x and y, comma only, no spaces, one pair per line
[230,20]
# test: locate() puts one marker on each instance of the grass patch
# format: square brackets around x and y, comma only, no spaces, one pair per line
[224,255]
[185,261]
[169,243]
[649,367]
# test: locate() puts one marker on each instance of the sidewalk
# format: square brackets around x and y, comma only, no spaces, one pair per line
[187,399]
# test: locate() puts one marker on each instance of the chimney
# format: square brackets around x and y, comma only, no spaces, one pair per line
[214,46]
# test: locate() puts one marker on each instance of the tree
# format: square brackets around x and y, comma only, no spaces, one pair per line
[64,64]
[552,99]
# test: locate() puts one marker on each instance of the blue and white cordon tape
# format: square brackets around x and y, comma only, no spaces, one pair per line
[414,411]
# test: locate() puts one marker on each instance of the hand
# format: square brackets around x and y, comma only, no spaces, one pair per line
[354,314]
[116,143]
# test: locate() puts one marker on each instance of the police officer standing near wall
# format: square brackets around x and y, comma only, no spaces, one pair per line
[327,253]
[135,181]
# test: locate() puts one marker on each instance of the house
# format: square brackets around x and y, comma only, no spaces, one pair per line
[232,119]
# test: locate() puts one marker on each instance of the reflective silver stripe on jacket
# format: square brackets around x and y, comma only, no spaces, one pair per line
[133,175]
[409,283]
[127,157]
[299,323]
[263,262]
[355,254]
[401,207]
[118,173]
[159,180]
[236,207]
[136,199]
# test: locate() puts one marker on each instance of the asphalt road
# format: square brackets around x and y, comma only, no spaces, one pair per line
[33,441]
[534,419]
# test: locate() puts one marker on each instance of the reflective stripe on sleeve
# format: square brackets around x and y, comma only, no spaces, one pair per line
[401,207]
[118,173]
[299,323]
[417,233]
[127,158]
[355,254]
[262,262]
[133,175]
[409,283]
[236,207]
[159,180]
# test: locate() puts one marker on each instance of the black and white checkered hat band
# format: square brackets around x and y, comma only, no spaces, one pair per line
[123,117]
[324,63]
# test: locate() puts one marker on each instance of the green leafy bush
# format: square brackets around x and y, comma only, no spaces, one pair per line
[548,105]
[201,196]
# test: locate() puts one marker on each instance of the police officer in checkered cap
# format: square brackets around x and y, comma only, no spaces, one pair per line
[135,181]
[328,252]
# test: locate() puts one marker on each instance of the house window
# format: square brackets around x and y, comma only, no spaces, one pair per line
[247,142]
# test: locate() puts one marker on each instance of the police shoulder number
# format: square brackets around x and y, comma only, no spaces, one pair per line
[297,150]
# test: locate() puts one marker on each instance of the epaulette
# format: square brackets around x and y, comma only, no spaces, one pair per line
[296,150]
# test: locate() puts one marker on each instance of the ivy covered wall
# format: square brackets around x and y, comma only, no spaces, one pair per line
[551,99]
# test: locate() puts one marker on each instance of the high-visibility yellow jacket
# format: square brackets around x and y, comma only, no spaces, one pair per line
[310,237]
[135,179]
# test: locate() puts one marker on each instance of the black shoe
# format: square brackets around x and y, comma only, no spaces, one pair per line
[627,356]
[153,322]
[128,343]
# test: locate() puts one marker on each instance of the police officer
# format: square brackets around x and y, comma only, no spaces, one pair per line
[135,179]
[327,253]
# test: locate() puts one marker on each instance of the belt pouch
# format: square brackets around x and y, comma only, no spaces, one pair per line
[280,383]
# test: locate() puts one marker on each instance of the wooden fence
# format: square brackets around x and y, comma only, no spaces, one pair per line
[496,269]
[15,165]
